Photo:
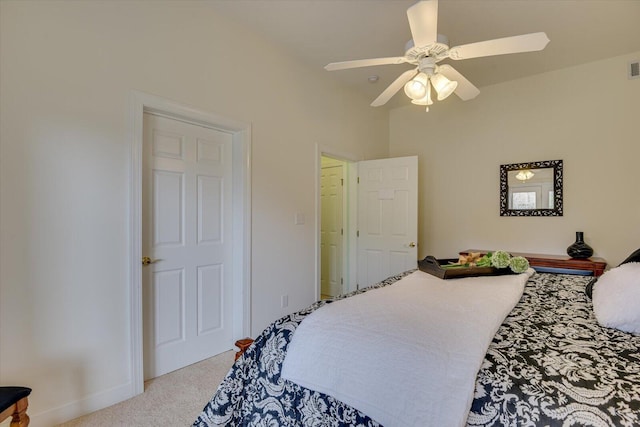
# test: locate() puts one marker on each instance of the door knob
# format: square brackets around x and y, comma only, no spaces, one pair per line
[146,260]
[412,244]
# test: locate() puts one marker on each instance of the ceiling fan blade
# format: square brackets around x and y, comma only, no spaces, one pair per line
[423,20]
[524,43]
[393,88]
[364,63]
[465,90]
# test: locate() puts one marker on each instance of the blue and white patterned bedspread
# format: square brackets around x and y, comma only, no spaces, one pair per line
[550,364]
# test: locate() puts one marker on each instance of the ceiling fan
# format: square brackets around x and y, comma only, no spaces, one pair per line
[428,48]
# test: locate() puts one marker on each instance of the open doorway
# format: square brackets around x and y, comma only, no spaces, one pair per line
[334,207]
[373,235]
[331,227]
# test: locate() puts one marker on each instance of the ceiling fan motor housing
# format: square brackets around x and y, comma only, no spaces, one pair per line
[435,50]
[427,65]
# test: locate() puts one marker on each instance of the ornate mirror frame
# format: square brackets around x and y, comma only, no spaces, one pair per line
[557,209]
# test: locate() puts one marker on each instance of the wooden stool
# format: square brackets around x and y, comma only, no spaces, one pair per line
[243,345]
[13,403]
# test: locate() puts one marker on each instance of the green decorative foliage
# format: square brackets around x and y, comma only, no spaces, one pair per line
[518,264]
[500,259]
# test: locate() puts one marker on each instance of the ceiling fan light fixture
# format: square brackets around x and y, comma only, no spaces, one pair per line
[416,88]
[426,99]
[524,175]
[443,86]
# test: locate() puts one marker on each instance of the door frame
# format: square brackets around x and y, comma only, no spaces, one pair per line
[349,220]
[141,102]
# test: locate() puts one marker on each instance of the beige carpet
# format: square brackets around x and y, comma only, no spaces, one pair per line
[174,399]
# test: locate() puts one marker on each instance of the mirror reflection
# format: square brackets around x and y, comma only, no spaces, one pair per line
[531,189]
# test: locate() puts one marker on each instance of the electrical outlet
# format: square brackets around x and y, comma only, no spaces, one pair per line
[284,301]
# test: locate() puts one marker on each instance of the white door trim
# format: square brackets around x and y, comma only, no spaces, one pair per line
[141,102]
[350,222]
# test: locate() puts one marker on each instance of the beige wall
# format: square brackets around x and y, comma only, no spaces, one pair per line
[66,72]
[587,116]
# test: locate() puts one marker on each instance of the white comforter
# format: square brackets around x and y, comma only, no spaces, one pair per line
[406,354]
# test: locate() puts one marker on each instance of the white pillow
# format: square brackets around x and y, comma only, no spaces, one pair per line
[616,298]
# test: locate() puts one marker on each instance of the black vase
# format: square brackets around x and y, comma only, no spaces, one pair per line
[579,249]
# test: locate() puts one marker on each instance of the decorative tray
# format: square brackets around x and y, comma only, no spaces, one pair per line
[432,266]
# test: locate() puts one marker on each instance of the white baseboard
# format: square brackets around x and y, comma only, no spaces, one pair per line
[83,406]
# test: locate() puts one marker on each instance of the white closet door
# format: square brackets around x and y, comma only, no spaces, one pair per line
[187,227]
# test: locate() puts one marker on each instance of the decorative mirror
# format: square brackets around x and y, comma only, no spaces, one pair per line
[531,189]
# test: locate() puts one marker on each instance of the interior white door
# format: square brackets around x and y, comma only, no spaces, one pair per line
[331,230]
[387,218]
[187,234]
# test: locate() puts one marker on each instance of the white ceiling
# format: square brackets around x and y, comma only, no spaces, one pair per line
[322,31]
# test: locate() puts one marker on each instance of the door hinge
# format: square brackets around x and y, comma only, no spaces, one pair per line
[342,181]
[342,231]
[358,233]
[358,180]
[341,281]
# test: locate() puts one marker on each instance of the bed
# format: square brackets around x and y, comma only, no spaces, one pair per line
[549,363]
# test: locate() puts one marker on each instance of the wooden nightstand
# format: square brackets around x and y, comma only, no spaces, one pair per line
[594,264]
[243,345]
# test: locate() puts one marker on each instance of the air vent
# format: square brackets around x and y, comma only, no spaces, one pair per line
[634,69]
